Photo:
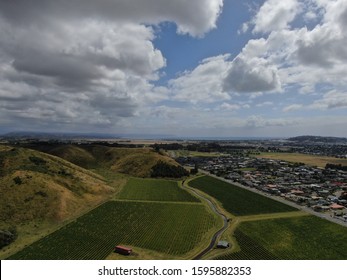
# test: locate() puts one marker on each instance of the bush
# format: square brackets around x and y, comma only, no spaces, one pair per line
[37,160]
[17,180]
[8,236]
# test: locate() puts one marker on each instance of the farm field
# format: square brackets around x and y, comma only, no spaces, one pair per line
[306,237]
[319,161]
[250,250]
[186,153]
[236,200]
[155,190]
[154,226]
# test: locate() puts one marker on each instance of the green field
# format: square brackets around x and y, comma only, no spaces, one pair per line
[250,250]
[238,201]
[155,190]
[170,228]
[292,238]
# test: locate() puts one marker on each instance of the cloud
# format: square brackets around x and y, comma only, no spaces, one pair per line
[194,17]
[293,107]
[301,56]
[275,15]
[331,100]
[264,104]
[251,75]
[259,121]
[66,63]
[229,107]
[204,83]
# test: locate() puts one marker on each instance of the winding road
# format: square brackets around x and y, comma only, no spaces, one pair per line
[219,232]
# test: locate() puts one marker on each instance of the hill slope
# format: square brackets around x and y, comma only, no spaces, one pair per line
[132,161]
[37,186]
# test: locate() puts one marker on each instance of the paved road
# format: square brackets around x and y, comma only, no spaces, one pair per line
[219,232]
[282,200]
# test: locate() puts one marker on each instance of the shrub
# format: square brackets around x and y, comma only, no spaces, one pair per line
[17,180]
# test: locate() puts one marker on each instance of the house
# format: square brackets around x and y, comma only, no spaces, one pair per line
[336,206]
[223,244]
[122,250]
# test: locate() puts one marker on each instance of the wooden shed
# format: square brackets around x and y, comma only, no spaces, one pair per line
[122,250]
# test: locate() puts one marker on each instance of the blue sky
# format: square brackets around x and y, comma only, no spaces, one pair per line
[194,68]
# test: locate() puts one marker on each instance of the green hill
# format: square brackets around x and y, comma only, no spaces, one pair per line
[38,186]
[132,161]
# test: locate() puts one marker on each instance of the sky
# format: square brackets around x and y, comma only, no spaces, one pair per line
[197,68]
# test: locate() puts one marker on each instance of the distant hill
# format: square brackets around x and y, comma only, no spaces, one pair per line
[132,161]
[56,135]
[42,187]
[318,139]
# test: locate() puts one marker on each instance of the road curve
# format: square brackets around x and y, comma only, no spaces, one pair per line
[219,232]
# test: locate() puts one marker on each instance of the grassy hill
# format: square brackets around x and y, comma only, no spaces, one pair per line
[132,161]
[37,186]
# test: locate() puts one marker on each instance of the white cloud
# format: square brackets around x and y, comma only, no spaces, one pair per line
[265,104]
[87,62]
[305,57]
[252,75]
[229,107]
[260,121]
[204,83]
[292,107]
[275,15]
[331,100]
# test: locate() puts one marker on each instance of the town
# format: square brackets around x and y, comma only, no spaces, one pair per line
[321,189]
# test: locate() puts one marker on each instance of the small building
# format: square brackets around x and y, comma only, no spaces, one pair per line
[122,250]
[223,244]
[336,206]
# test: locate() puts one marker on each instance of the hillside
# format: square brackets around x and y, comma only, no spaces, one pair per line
[132,161]
[40,187]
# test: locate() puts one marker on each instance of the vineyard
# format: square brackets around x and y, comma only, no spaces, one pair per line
[307,237]
[290,238]
[155,226]
[155,190]
[250,250]
[238,201]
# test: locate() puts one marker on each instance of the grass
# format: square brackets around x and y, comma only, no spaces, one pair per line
[155,190]
[154,226]
[238,201]
[306,237]
[37,186]
[136,162]
[319,161]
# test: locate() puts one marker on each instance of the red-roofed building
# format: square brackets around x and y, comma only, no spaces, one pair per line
[123,250]
[336,206]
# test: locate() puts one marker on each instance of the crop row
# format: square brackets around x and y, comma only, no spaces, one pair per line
[236,200]
[172,228]
[307,237]
[155,190]
[250,250]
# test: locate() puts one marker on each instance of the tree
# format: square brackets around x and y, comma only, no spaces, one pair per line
[195,170]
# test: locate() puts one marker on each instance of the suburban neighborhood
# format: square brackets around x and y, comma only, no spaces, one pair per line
[322,190]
